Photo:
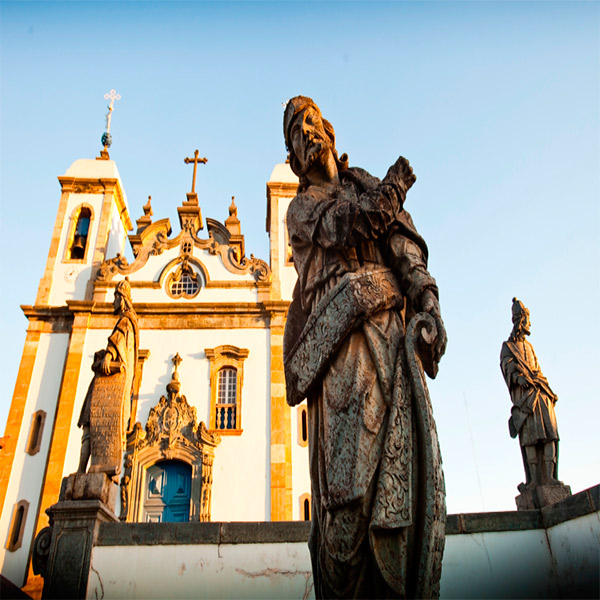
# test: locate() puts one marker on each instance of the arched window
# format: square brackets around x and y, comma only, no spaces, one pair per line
[17,526]
[305,508]
[302,426]
[35,433]
[226,379]
[80,237]
[183,283]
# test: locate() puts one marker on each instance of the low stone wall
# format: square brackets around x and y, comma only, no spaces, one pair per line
[548,553]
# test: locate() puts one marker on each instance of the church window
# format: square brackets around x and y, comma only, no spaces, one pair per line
[186,247]
[305,508]
[17,526]
[226,379]
[35,433]
[225,417]
[302,426]
[78,240]
[183,283]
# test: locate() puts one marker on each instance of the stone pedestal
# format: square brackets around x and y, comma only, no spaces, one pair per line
[542,495]
[62,552]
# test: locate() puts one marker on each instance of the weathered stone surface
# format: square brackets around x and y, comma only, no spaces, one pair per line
[377,482]
[542,495]
[89,486]
[533,418]
[62,552]
[107,406]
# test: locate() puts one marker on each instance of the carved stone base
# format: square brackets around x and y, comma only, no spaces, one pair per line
[62,552]
[89,486]
[542,495]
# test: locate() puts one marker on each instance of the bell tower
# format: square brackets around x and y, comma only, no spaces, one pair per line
[91,225]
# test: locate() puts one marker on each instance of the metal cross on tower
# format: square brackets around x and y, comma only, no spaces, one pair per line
[106,137]
[195,160]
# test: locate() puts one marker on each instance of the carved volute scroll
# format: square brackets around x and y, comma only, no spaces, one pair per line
[171,433]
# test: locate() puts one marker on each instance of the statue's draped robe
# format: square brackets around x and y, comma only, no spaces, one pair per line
[532,414]
[122,345]
[359,226]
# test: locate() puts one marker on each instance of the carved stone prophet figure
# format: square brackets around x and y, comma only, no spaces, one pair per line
[363,325]
[106,409]
[532,414]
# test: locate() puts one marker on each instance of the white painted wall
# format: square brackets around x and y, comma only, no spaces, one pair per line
[576,553]
[202,571]
[28,471]
[116,235]
[509,564]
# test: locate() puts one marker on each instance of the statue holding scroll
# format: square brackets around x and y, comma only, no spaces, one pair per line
[363,325]
[532,418]
[107,405]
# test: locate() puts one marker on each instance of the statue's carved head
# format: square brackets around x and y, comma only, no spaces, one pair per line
[123,300]
[302,113]
[520,318]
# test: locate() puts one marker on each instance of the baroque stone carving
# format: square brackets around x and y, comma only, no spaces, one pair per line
[172,433]
[532,418]
[106,409]
[363,327]
[152,239]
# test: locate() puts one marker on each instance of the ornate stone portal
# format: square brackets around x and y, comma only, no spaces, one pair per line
[171,433]
[532,416]
[363,326]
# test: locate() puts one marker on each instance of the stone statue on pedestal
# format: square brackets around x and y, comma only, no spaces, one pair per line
[107,405]
[363,325]
[532,416]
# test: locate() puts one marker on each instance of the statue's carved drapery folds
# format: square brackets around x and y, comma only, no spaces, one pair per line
[532,418]
[363,325]
[107,406]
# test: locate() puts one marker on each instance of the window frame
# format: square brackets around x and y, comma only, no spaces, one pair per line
[15,537]
[34,443]
[220,358]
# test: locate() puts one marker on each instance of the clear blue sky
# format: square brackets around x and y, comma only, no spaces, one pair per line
[495,104]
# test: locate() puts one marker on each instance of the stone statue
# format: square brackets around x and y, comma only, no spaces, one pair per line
[532,414]
[107,405]
[363,325]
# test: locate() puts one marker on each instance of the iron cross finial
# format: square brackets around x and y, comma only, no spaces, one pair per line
[195,160]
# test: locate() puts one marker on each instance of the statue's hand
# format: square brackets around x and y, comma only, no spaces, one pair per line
[105,365]
[431,305]
[401,172]
[522,381]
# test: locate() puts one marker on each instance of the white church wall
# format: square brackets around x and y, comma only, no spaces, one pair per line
[28,471]
[300,474]
[116,236]
[70,278]
[240,472]
[202,571]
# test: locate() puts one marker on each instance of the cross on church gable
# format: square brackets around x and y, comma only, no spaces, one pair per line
[195,160]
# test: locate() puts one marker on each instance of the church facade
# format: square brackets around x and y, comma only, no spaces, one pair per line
[210,435]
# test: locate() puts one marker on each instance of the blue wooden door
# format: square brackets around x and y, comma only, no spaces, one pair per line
[168,492]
